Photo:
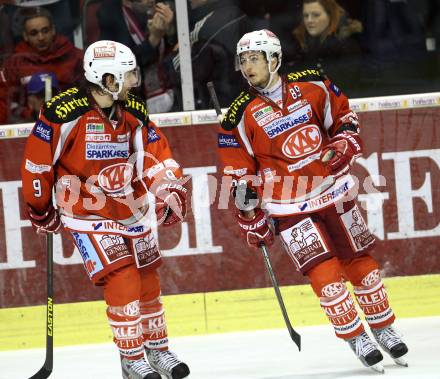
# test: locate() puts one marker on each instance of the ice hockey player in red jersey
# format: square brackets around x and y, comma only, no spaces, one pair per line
[291,141]
[108,165]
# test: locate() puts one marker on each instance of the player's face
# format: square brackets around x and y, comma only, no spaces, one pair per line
[316,19]
[39,33]
[253,65]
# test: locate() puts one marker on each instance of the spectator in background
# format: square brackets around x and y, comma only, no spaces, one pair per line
[279,16]
[36,92]
[326,39]
[65,15]
[35,96]
[147,28]
[42,49]
[216,26]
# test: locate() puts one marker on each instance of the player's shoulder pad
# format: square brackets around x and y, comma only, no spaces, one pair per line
[66,106]
[137,106]
[236,110]
[309,75]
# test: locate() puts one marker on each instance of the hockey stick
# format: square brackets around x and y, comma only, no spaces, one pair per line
[214,98]
[293,334]
[46,370]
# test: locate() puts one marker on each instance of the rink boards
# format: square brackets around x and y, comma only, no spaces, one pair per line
[207,313]
[206,255]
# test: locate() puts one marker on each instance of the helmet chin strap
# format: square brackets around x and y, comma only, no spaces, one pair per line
[113,94]
[271,74]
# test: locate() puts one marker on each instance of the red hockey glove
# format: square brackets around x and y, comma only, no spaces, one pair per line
[256,230]
[170,203]
[48,222]
[340,154]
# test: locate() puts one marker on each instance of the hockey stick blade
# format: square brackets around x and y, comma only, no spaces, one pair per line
[293,334]
[44,373]
[47,368]
[214,98]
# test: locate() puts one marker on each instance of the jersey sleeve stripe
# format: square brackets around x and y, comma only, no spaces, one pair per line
[328,118]
[66,129]
[243,136]
[140,151]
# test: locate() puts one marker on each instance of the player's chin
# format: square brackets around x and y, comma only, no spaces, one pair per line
[254,81]
[123,95]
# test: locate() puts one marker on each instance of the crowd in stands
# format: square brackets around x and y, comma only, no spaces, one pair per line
[368,48]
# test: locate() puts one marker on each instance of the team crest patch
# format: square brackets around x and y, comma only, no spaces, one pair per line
[43,131]
[303,141]
[115,178]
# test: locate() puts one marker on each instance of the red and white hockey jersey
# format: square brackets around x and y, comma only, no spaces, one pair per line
[278,149]
[101,169]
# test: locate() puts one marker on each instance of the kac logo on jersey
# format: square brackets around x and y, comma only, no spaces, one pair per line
[116,177]
[43,131]
[303,141]
[227,140]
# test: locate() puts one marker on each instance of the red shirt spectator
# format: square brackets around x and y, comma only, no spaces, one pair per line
[41,50]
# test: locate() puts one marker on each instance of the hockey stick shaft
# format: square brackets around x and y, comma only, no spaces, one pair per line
[214,98]
[47,367]
[293,334]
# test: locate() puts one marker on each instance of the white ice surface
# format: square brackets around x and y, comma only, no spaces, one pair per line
[268,354]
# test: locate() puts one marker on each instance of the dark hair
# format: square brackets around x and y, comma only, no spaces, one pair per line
[89,86]
[28,13]
[334,12]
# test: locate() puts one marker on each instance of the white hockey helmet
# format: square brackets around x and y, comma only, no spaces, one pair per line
[261,40]
[109,57]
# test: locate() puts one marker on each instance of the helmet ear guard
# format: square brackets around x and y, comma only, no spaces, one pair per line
[109,57]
